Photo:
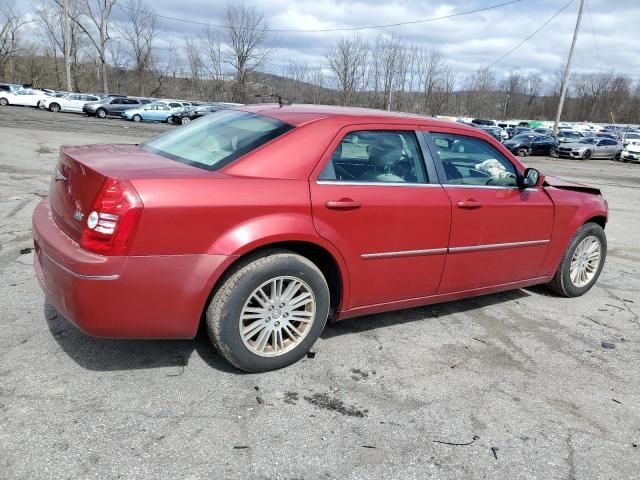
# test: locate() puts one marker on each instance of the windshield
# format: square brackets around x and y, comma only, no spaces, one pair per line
[215,140]
[633,136]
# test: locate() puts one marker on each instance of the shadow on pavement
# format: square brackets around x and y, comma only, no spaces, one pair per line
[106,355]
[398,317]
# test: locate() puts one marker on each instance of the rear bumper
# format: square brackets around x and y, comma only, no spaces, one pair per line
[122,297]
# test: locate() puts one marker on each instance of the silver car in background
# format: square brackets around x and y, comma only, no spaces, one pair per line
[591,147]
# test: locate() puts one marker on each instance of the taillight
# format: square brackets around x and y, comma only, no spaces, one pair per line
[110,225]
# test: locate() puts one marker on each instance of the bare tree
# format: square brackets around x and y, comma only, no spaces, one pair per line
[245,34]
[94,19]
[432,63]
[347,62]
[10,24]
[211,49]
[138,33]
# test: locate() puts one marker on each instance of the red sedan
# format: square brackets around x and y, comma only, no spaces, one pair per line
[266,221]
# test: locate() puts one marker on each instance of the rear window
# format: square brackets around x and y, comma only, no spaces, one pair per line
[217,139]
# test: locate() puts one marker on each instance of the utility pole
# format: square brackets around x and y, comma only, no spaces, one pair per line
[567,71]
[67,54]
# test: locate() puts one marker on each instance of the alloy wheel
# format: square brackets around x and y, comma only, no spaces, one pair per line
[277,316]
[585,261]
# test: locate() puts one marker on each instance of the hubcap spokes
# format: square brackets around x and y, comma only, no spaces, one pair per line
[277,316]
[585,261]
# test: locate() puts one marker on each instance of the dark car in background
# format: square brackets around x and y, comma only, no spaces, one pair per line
[113,106]
[495,132]
[532,144]
[186,114]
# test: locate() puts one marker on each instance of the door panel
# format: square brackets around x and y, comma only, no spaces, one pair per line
[499,233]
[393,236]
[509,229]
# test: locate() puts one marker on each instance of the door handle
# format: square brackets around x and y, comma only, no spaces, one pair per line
[469,204]
[343,204]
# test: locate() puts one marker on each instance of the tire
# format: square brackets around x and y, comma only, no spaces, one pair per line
[54,107]
[522,152]
[4,102]
[238,292]
[101,113]
[185,120]
[136,118]
[586,155]
[39,105]
[617,157]
[562,283]
[554,152]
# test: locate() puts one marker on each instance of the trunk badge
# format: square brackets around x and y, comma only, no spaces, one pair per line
[78,215]
[59,176]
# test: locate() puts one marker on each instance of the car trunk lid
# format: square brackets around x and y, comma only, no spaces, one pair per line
[81,172]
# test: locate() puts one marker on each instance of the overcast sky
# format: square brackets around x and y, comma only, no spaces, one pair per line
[467,41]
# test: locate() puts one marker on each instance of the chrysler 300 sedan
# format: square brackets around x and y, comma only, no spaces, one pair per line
[264,222]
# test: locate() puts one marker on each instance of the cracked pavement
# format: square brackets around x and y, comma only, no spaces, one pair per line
[514,385]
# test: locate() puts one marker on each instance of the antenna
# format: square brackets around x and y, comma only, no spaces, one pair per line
[281,101]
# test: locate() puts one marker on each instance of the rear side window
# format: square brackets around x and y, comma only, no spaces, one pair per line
[217,139]
[473,161]
[380,156]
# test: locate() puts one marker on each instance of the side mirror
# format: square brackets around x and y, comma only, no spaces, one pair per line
[531,178]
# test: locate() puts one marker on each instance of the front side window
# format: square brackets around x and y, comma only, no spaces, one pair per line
[380,156]
[473,161]
[217,139]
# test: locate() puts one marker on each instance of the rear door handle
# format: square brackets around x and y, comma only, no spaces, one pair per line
[343,204]
[469,204]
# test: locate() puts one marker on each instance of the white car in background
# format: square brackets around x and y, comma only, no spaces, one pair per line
[71,103]
[26,97]
[631,138]
[631,153]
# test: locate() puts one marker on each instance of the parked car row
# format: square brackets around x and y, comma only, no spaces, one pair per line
[136,109]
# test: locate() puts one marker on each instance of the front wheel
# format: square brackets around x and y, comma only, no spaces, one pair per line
[185,120]
[522,152]
[554,152]
[269,311]
[101,113]
[54,107]
[582,262]
[586,155]
[4,102]
[136,118]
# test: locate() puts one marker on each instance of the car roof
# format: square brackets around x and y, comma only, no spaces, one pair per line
[299,114]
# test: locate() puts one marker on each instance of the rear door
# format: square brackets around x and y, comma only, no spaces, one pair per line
[374,198]
[499,233]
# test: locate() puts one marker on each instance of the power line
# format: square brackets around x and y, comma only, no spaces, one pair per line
[531,36]
[593,33]
[339,29]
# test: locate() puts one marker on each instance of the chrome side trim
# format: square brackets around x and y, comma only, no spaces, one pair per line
[377,184]
[404,253]
[486,187]
[440,251]
[497,246]
[79,275]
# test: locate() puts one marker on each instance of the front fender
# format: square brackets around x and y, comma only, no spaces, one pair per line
[572,210]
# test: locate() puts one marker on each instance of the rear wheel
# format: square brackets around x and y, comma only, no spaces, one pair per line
[136,118]
[54,107]
[554,152]
[269,311]
[586,155]
[521,152]
[101,113]
[4,101]
[582,262]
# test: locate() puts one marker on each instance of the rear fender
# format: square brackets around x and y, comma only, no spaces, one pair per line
[267,230]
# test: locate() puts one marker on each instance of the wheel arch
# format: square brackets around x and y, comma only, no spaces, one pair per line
[321,253]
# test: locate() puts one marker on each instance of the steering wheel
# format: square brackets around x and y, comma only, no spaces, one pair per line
[482,174]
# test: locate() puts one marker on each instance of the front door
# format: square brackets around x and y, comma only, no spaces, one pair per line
[499,233]
[376,200]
